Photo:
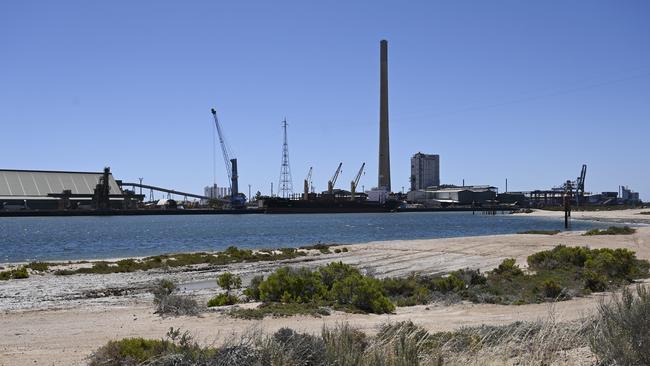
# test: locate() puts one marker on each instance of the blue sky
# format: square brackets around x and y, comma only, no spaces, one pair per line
[527,91]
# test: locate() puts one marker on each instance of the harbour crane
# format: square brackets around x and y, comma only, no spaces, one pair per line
[237,200]
[355,183]
[332,182]
[580,184]
[307,185]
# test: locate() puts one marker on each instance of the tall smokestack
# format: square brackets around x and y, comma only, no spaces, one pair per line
[384,150]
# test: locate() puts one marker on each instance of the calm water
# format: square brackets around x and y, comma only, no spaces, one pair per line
[52,238]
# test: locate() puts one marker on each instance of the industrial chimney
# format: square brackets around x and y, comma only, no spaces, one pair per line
[384,150]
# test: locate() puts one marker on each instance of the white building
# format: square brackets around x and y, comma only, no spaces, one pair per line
[628,195]
[425,171]
[214,191]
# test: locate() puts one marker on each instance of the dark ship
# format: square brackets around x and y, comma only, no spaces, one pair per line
[327,204]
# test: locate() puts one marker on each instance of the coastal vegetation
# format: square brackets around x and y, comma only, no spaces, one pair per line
[552,275]
[228,282]
[612,230]
[557,274]
[621,333]
[169,303]
[280,310]
[540,232]
[324,248]
[603,338]
[38,266]
[16,273]
[338,285]
[228,256]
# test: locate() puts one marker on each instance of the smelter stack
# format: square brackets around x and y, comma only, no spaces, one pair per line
[384,150]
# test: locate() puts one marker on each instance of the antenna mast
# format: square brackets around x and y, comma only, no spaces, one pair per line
[286,185]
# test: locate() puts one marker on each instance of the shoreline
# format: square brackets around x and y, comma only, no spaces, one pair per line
[615,217]
[60,320]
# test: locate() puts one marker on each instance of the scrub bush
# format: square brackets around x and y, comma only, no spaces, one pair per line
[228,281]
[612,230]
[17,273]
[168,303]
[223,300]
[336,284]
[621,331]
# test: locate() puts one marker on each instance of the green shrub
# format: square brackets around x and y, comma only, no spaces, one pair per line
[292,285]
[471,277]
[540,232]
[230,255]
[163,288]
[16,273]
[362,292]
[336,271]
[168,303]
[129,351]
[551,289]
[280,310]
[559,257]
[508,268]
[20,273]
[612,230]
[39,266]
[595,282]
[253,289]
[402,286]
[223,300]
[337,250]
[621,332]
[336,283]
[228,281]
[344,250]
[614,263]
[619,264]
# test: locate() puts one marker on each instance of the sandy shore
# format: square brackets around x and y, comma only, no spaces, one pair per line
[60,320]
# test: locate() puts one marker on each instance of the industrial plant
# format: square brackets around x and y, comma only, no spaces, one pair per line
[34,192]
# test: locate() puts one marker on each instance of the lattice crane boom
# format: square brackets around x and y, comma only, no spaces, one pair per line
[224,147]
[236,199]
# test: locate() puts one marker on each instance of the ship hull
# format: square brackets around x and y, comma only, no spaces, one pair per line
[326,206]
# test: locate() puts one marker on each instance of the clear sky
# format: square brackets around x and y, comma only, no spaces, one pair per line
[522,90]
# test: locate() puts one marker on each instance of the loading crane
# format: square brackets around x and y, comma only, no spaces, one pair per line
[580,184]
[354,184]
[332,182]
[308,185]
[237,200]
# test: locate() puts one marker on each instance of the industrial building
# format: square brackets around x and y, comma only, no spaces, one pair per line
[453,196]
[425,171]
[56,190]
[214,191]
[628,195]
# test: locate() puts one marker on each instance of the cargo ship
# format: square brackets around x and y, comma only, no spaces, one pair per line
[277,205]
